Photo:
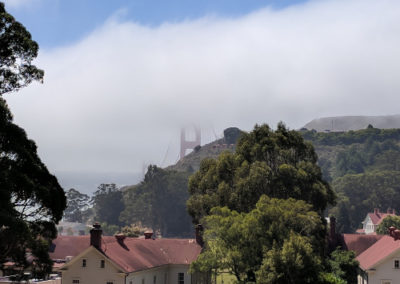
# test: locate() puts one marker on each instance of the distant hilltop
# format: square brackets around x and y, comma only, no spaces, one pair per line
[346,123]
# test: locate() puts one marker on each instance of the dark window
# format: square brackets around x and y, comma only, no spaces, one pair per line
[75,281]
[154,279]
[83,262]
[181,278]
[143,281]
[397,263]
[110,282]
[102,263]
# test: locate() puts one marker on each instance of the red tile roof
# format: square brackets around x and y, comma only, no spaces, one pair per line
[359,243]
[378,252]
[132,254]
[378,217]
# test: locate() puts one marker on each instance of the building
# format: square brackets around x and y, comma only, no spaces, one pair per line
[372,221]
[380,263]
[122,260]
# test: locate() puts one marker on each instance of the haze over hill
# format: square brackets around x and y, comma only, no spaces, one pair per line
[346,123]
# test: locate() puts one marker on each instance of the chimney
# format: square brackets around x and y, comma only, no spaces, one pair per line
[376,211]
[199,235]
[95,236]
[332,227]
[148,235]
[120,238]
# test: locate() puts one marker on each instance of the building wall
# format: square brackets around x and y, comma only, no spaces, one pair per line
[385,271]
[167,274]
[92,273]
[368,226]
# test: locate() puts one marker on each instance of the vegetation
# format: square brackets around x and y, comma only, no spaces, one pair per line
[108,204]
[31,199]
[159,203]
[77,204]
[262,207]
[363,168]
[276,163]
[389,221]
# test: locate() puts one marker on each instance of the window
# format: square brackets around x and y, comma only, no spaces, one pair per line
[181,278]
[102,263]
[110,282]
[75,281]
[386,281]
[396,264]
[154,279]
[83,262]
[130,282]
[142,280]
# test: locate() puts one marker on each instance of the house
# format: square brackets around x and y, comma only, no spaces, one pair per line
[372,220]
[122,260]
[380,263]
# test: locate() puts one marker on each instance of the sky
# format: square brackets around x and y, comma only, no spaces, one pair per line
[122,77]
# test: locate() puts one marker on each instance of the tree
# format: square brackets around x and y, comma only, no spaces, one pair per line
[276,163]
[108,204]
[77,203]
[343,265]
[31,199]
[277,242]
[387,222]
[158,202]
[17,50]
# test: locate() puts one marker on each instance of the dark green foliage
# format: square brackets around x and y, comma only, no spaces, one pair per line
[232,135]
[389,221]
[77,204]
[359,194]
[351,137]
[108,204]
[278,241]
[276,163]
[17,50]
[159,203]
[31,200]
[343,264]
[262,208]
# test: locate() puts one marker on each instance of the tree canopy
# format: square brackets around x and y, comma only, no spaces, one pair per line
[17,51]
[387,222]
[108,204]
[77,204]
[276,163]
[158,202]
[262,208]
[277,237]
[31,199]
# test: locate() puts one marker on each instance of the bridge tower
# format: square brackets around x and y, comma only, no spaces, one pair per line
[189,144]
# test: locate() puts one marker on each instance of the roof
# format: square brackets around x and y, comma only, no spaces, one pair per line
[359,243]
[383,248]
[132,254]
[377,217]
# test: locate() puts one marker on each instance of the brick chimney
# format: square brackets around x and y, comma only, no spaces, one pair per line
[95,236]
[376,211]
[148,235]
[199,235]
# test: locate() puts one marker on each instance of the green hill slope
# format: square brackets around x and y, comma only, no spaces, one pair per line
[363,168]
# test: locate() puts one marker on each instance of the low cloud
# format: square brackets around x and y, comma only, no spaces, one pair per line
[117,99]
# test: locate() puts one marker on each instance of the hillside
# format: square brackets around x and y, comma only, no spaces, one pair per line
[363,168]
[346,123]
[191,162]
